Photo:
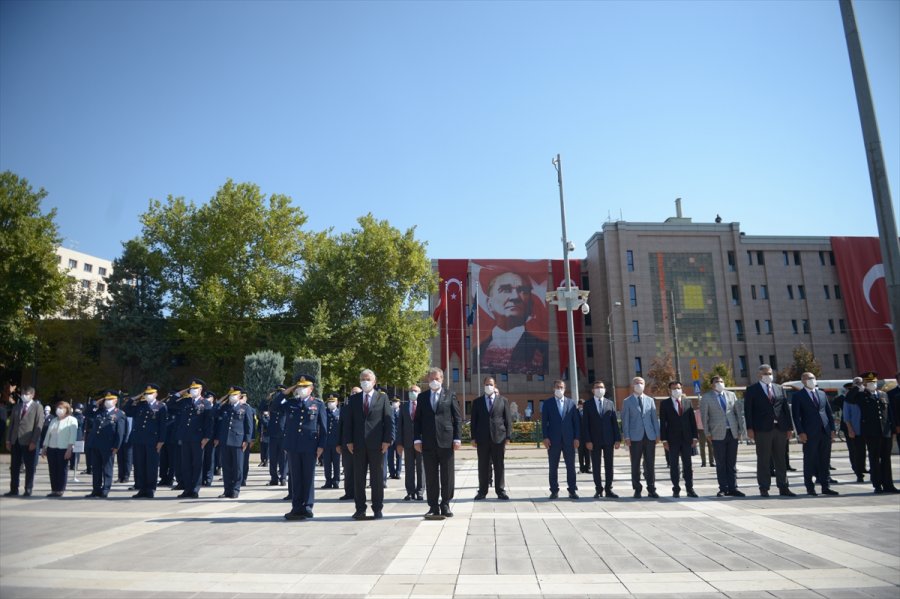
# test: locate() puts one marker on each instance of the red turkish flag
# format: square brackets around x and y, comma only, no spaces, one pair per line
[453,274]
[861,272]
[562,329]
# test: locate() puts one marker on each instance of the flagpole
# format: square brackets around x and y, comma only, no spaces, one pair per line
[446,330]
[462,340]
[477,334]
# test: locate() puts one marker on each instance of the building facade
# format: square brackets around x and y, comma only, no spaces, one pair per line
[89,272]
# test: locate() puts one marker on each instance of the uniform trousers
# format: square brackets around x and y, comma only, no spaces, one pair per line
[191,466]
[146,467]
[232,468]
[277,460]
[414,470]
[102,469]
[331,460]
[303,476]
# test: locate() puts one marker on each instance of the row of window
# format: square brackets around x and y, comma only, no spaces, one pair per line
[86,285]
[73,264]
[765,327]
[762,292]
[825,258]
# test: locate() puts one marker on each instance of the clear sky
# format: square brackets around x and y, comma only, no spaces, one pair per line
[446,115]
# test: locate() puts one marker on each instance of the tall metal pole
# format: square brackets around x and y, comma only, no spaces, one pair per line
[881,192]
[570,322]
[612,359]
[477,340]
[675,335]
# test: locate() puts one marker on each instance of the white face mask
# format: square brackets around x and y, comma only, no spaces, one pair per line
[810,383]
[27,398]
[109,404]
[719,387]
[558,393]
[296,392]
[61,413]
[412,395]
[331,406]
[304,392]
[366,386]
[676,393]
[766,379]
[638,389]
[871,386]
[599,392]
[150,397]
[434,385]
[488,389]
[195,393]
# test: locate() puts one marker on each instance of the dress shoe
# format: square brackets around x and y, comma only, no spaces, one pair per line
[860,478]
[573,495]
[831,481]
[503,496]
[184,495]
[554,494]
[272,483]
[690,493]
[295,516]
[11,494]
[419,497]
[359,515]
[138,495]
[225,496]
[722,494]
[763,492]
[434,514]
[737,493]
[637,494]
[161,483]
[308,513]
[27,493]
[325,486]
[830,467]
[378,515]
[479,496]
[676,494]
[812,493]
[786,493]
[345,497]
[879,491]
[281,483]
[178,488]
[891,489]
[598,494]
[132,488]
[827,491]
[653,494]
[91,495]
[790,469]
[148,495]
[611,495]
[703,465]
[53,494]
[407,498]
[445,511]
[286,498]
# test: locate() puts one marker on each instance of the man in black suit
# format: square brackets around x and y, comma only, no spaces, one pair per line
[346,456]
[678,431]
[368,433]
[769,424]
[491,429]
[600,433]
[437,437]
[413,466]
[815,425]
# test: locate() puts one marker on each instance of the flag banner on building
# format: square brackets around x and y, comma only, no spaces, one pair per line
[861,272]
[562,329]
[450,317]
[513,331]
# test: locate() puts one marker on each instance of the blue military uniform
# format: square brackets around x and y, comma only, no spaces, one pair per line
[234,428]
[194,425]
[278,467]
[148,422]
[305,433]
[170,456]
[246,457]
[211,459]
[331,459]
[107,434]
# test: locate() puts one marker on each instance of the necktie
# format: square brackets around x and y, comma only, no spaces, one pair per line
[366,404]
[812,395]
[413,412]
[722,402]
[490,404]
[24,409]
[771,394]
[599,404]
[560,405]
[678,406]
[640,404]
[434,398]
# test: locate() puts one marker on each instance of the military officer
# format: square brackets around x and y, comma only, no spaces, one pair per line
[170,456]
[211,461]
[194,431]
[233,435]
[876,431]
[304,440]
[107,436]
[148,420]
[277,457]
[331,459]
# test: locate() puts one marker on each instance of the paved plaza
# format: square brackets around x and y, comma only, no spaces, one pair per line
[847,546]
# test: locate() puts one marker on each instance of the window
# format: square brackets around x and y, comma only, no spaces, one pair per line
[638,368]
[796,258]
[587,319]
[831,326]
[632,295]
[805,326]
[835,357]
[837,292]
[790,292]
[735,295]
[592,375]
[635,331]
[538,377]
[88,267]
[762,360]
[764,292]
[753,291]
[801,291]
[794,327]
[742,366]
[750,257]
[846,360]
[58,259]
[585,283]
[101,287]
[589,343]
[773,361]
[456,375]
[85,284]
[760,258]
[73,263]
[784,255]
[842,326]
[768,328]
[822,262]
[758,328]
[731,266]
[504,376]
[102,271]
[827,292]
[831,261]
[739,329]
[629,260]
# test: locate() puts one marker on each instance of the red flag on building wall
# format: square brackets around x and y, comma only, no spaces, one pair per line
[453,275]
[562,331]
[861,272]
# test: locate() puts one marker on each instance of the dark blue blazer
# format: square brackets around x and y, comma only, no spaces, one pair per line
[108,430]
[148,424]
[234,425]
[305,426]
[277,415]
[806,414]
[194,420]
[332,427]
[558,428]
[597,429]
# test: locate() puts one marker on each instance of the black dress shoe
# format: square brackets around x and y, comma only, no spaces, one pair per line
[27,493]
[434,514]
[294,516]
[637,494]
[281,483]
[91,495]
[812,493]
[831,481]
[378,515]
[11,494]
[786,493]
[789,469]
[479,496]
[737,493]
[573,495]
[891,489]
[722,494]
[503,496]
[830,467]
[445,511]
[272,483]
[345,497]
[763,492]
[419,497]
[286,498]
[554,494]
[407,498]
[138,495]
[225,496]
[308,513]
[690,493]
[827,491]
[676,494]
[860,478]
[598,494]
[611,495]
[879,491]
[178,488]
[325,486]
[652,494]
[359,515]
[184,495]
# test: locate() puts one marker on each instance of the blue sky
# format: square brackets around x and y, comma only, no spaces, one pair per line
[446,115]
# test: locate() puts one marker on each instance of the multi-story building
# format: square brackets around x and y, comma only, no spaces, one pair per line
[90,272]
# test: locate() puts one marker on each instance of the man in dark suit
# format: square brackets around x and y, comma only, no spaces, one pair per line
[562,431]
[815,426]
[367,435]
[769,424]
[413,462]
[346,456]
[678,431]
[107,436]
[24,434]
[437,436]
[491,429]
[600,433]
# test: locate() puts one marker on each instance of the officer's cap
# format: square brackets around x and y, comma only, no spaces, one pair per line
[848,385]
[151,388]
[869,377]
[332,397]
[306,380]
[197,384]
[110,394]
[209,395]
[235,389]
[79,406]
[395,400]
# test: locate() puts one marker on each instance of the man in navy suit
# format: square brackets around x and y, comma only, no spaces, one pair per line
[678,431]
[107,437]
[560,422]
[600,434]
[815,426]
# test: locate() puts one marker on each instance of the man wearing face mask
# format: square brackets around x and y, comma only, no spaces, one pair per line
[304,440]
[194,431]
[24,433]
[491,429]
[876,428]
[277,457]
[600,435]
[678,431]
[561,426]
[368,432]
[437,437]
[331,459]
[815,426]
[851,426]
[107,436]
[723,422]
[232,437]
[640,428]
[148,421]
[413,464]
[770,425]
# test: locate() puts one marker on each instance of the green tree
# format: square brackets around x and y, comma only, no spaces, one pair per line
[134,330]
[263,370]
[661,373]
[804,361]
[356,307]
[31,285]
[227,266]
[722,369]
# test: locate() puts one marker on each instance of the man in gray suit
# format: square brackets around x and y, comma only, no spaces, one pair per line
[721,416]
[640,429]
[24,433]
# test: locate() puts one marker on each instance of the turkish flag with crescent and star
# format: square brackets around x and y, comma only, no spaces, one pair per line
[453,274]
[861,272]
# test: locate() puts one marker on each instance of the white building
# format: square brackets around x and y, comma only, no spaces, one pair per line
[90,272]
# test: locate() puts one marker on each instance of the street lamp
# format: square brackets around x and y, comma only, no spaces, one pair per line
[612,360]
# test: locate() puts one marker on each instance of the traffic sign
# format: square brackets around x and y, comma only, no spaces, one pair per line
[696,387]
[695,370]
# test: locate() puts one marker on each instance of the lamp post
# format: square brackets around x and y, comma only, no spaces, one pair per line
[612,360]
